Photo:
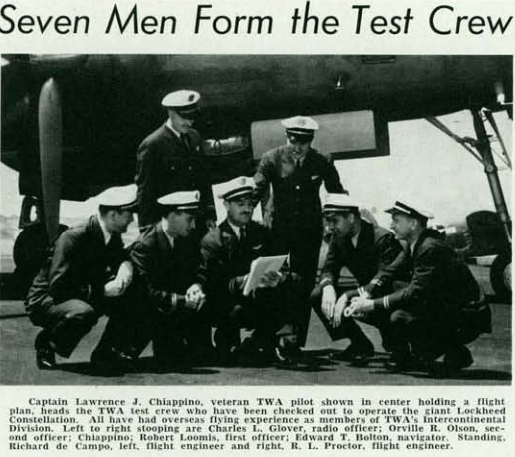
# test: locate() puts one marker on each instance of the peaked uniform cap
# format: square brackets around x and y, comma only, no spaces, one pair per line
[184,102]
[339,203]
[120,197]
[181,201]
[300,125]
[411,210]
[237,187]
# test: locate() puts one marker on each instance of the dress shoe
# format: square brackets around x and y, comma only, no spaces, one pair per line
[45,355]
[227,356]
[254,353]
[287,353]
[405,363]
[457,358]
[357,354]
[110,362]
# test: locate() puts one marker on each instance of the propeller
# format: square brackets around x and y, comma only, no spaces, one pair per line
[51,151]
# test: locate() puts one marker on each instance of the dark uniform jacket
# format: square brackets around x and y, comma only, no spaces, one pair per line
[78,267]
[165,165]
[376,249]
[439,283]
[296,191]
[165,273]
[226,261]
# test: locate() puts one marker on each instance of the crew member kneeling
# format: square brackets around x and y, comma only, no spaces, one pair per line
[227,254]
[442,307]
[364,250]
[84,277]
[166,260]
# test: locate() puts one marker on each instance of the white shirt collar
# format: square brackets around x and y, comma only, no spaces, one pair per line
[107,235]
[234,228]
[412,244]
[175,132]
[354,239]
[164,225]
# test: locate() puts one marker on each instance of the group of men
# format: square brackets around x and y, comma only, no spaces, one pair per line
[180,280]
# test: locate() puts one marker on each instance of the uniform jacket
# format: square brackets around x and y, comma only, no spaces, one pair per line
[376,249]
[165,273]
[165,165]
[226,261]
[296,197]
[78,267]
[439,281]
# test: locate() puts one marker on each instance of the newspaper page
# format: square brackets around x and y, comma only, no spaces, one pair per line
[409,104]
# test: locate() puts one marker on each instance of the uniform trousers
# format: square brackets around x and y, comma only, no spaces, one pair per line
[66,323]
[271,312]
[304,252]
[348,327]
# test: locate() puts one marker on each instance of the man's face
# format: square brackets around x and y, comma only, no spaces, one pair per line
[179,123]
[402,226]
[340,224]
[120,220]
[181,223]
[299,149]
[239,210]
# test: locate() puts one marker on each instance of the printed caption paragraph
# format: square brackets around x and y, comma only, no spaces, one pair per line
[295,424]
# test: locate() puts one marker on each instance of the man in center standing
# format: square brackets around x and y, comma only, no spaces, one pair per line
[296,171]
[169,159]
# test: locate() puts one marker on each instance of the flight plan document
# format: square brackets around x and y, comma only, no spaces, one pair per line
[259,268]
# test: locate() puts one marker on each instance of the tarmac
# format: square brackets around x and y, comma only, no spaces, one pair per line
[491,352]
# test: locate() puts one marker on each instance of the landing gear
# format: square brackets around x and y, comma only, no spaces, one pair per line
[29,254]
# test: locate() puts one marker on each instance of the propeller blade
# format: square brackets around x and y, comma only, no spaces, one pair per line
[50,150]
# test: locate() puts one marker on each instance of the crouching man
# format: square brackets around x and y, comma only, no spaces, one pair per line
[441,309]
[166,260]
[364,250]
[85,276]
[227,254]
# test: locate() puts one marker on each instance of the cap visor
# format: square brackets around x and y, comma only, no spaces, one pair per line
[189,114]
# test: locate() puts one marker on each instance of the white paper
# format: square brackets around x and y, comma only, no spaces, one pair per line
[259,268]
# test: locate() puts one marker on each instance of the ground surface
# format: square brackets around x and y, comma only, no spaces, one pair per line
[492,356]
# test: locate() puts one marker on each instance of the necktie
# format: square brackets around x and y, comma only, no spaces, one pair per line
[243,234]
[185,141]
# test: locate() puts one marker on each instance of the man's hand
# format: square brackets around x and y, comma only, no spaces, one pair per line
[114,288]
[359,306]
[272,279]
[195,297]
[328,301]
[125,274]
[339,310]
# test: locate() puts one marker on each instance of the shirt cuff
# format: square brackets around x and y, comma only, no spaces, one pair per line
[326,282]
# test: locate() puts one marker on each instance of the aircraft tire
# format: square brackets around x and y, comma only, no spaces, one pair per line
[29,253]
[500,276]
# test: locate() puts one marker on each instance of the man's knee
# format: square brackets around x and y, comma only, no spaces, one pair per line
[81,312]
[401,317]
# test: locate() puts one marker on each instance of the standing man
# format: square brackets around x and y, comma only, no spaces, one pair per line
[296,171]
[227,254]
[442,307]
[169,158]
[364,250]
[166,259]
[85,277]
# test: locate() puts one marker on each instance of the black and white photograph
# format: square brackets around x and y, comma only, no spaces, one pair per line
[256,219]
